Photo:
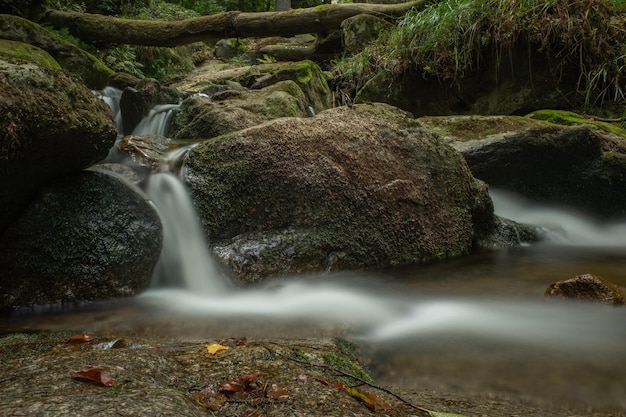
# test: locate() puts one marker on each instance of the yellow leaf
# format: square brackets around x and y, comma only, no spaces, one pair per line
[215,347]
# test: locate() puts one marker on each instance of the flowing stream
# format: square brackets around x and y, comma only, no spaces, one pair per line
[475,323]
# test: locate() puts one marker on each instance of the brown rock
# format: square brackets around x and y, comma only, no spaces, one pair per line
[587,287]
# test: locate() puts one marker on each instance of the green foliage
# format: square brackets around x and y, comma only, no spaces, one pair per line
[165,64]
[123,59]
[450,39]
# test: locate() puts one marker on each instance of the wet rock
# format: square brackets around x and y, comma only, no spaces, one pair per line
[139,99]
[86,237]
[51,125]
[587,287]
[350,188]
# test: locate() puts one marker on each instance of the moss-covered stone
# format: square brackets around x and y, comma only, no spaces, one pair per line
[232,110]
[569,118]
[23,52]
[72,59]
[477,127]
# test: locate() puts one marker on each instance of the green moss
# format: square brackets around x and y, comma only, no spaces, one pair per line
[18,51]
[347,365]
[568,118]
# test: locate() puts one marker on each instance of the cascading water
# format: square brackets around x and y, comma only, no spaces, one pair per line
[111,96]
[185,261]
[157,122]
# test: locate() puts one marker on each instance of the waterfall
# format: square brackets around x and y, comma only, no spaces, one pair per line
[185,260]
[157,121]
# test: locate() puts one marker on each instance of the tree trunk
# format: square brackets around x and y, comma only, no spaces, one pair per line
[110,30]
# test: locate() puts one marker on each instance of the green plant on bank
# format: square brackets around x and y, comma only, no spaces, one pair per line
[123,59]
[451,39]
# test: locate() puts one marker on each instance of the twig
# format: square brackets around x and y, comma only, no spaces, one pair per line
[603,119]
[349,375]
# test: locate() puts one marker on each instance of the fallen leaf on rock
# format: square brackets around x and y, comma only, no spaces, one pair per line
[81,338]
[215,347]
[241,383]
[209,398]
[277,393]
[95,374]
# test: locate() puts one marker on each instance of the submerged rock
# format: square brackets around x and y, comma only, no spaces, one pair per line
[353,187]
[587,287]
[86,237]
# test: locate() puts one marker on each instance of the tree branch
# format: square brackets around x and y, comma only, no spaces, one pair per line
[111,30]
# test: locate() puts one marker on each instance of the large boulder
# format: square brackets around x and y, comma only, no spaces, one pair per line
[51,125]
[353,187]
[578,166]
[86,237]
[75,61]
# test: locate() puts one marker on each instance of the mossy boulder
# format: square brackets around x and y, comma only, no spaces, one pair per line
[580,166]
[72,59]
[351,188]
[85,237]
[51,125]
[23,52]
[200,117]
[306,74]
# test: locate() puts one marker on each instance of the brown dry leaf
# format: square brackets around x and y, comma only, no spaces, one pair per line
[80,338]
[277,393]
[209,398]
[241,383]
[215,347]
[95,374]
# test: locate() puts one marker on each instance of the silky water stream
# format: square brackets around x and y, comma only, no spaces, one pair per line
[478,323]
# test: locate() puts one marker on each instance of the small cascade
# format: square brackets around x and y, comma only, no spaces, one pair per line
[157,122]
[111,96]
[185,260]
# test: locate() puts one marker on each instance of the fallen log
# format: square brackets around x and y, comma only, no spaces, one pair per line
[93,28]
